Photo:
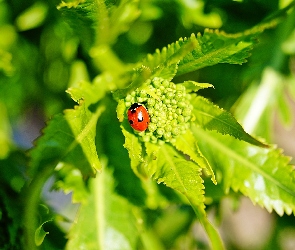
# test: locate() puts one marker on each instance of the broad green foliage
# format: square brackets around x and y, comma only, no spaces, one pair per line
[261,174]
[69,138]
[187,144]
[106,21]
[103,217]
[211,117]
[208,49]
[125,180]
[184,176]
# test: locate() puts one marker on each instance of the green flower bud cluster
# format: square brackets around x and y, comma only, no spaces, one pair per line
[168,107]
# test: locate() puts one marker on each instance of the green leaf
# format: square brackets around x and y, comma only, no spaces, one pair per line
[69,138]
[213,47]
[163,63]
[264,175]
[184,177]
[99,22]
[181,175]
[192,86]
[187,144]
[152,153]
[121,110]
[216,46]
[40,234]
[82,17]
[211,117]
[71,180]
[106,220]
[142,74]
[91,92]
[134,147]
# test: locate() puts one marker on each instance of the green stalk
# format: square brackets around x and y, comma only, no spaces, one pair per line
[32,198]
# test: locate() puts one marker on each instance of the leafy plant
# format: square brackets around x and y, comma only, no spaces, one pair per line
[127,181]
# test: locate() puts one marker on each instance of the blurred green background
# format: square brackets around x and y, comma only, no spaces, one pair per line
[41,56]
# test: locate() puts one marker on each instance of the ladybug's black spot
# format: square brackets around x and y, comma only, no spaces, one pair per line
[133,107]
[131,122]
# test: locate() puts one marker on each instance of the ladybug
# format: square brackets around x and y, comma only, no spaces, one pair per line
[138,117]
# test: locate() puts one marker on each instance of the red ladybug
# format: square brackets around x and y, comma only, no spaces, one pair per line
[138,117]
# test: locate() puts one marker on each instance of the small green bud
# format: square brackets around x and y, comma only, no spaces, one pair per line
[168,127]
[153,139]
[172,85]
[169,95]
[151,101]
[161,123]
[167,135]
[160,131]
[174,123]
[140,99]
[143,93]
[173,101]
[151,111]
[158,105]
[156,112]
[165,83]
[178,95]
[180,87]
[175,131]
[166,101]
[180,119]
[154,119]
[178,111]
[156,82]
[152,127]
[181,104]
[187,112]
[128,98]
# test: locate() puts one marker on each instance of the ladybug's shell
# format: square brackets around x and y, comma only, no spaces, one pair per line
[138,117]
